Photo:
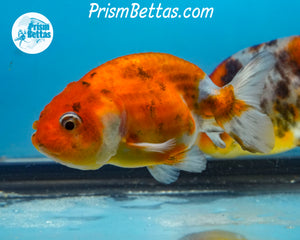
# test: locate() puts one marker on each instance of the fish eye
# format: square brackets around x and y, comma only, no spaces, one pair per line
[70,120]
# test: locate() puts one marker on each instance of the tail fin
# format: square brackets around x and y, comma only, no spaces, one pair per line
[252,129]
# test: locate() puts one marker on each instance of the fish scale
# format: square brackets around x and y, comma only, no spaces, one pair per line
[151,106]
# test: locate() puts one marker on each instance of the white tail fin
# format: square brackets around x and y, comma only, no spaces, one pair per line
[253,130]
[249,82]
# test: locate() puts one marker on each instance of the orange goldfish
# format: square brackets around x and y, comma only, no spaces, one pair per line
[280,99]
[214,235]
[147,110]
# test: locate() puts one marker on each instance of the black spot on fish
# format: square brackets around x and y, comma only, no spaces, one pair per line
[255,48]
[74,146]
[139,132]
[285,117]
[196,106]
[93,74]
[76,107]
[85,83]
[286,62]
[162,86]
[282,89]
[105,91]
[298,102]
[283,57]
[188,87]
[281,127]
[232,67]
[281,67]
[160,126]
[178,118]
[263,104]
[151,108]
[180,77]
[293,65]
[133,137]
[143,74]
[296,69]
[271,43]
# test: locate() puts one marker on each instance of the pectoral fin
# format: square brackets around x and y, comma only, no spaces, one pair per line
[193,161]
[155,147]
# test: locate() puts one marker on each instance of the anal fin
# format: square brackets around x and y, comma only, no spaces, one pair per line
[192,160]
[213,131]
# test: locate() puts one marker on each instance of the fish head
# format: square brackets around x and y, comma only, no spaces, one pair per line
[78,129]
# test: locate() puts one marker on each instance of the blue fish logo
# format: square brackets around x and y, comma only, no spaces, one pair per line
[23,35]
[32,35]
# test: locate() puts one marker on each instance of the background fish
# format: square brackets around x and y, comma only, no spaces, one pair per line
[280,99]
[148,110]
[214,235]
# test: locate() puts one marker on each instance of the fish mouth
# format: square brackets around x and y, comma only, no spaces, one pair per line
[34,141]
[33,138]
[41,148]
[57,157]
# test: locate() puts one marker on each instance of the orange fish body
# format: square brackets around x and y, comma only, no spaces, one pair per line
[280,99]
[148,110]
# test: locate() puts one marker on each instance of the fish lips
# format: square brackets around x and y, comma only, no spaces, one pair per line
[41,147]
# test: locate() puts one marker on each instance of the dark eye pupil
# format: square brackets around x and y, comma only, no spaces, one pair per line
[70,121]
[69,125]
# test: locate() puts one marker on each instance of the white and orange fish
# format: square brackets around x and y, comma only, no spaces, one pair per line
[214,235]
[280,99]
[147,110]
